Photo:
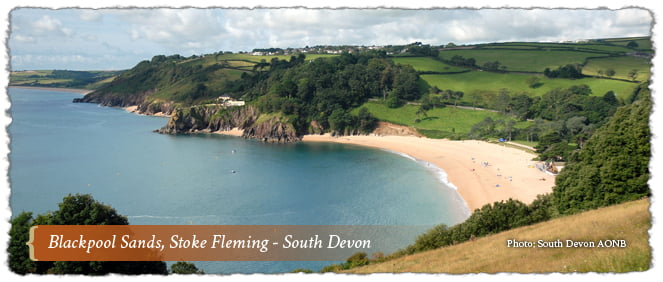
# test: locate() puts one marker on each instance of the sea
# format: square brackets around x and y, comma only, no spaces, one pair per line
[58,148]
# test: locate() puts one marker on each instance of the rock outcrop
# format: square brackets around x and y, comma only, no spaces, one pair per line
[210,118]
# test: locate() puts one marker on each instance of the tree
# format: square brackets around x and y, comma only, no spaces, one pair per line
[609,72]
[475,97]
[338,120]
[491,66]
[610,98]
[613,165]
[632,44]
[633,74]
[421,112]
[457,95]
[75,210]
[366,121]
[434,90]
[502,102]
[393,101]
[533,81]
[183,267]
[567,71]
[357,259]
[520,106]
[19,253]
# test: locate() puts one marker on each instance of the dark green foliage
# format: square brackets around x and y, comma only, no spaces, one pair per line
[84,210]
[366,122]
[461,61]
[326,90]
[490,219]
[183,267]
[19,253]
[492,66]
[74,210]
[418,49]
[567,71]
[612,167]
[357,259]
[533,81]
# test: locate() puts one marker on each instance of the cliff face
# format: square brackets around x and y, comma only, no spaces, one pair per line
[214,118]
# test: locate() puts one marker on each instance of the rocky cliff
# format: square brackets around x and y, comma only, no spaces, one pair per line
[210,118]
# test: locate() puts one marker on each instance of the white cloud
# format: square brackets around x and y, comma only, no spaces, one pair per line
[24,38]
[91,15]
[48,25]
[174,27]
[139,34]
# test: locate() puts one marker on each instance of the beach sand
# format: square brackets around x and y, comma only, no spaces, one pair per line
[510,172]
[233,132]
[134,109]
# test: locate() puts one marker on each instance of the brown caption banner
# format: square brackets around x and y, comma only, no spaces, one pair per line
[203,242]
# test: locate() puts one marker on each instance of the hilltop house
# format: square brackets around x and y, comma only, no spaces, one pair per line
[229,101]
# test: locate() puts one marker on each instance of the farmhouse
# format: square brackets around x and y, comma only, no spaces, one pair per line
[229,101]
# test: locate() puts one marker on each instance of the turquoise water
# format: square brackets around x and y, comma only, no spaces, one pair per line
[58,147]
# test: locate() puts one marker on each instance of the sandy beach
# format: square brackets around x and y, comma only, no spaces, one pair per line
[134,109]
[71,90]
[233,132]
[510,172]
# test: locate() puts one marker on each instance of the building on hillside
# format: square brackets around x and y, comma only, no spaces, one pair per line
[229,101]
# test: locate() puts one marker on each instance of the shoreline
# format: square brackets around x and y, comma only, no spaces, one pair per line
[71,90]
[233,132]
[134,110]
[510,172]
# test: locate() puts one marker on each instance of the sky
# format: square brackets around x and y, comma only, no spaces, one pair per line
[113,39]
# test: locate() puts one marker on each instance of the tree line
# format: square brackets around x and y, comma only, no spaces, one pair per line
[325,91]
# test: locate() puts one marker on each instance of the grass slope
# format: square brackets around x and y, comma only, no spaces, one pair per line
[516,83]
[522,60]
[446,120]
[426,64]
[62,78]
[622,66]
[629,221]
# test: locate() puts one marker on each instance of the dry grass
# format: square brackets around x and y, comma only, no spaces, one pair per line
[629,221]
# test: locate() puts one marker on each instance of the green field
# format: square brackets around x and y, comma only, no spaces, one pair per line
[425,64]
[62,79]
[522,60]
[622,66]
[516,83]
[447,119]
[584,47]
[644,43]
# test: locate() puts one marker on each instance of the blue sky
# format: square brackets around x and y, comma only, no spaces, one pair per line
[109,39]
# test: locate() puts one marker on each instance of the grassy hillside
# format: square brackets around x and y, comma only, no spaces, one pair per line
[62,78]
[629,221]
[423,64]
[621,65]
[439,122]
[517,83]
[522,59]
